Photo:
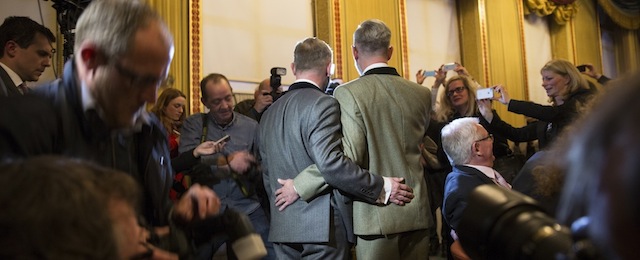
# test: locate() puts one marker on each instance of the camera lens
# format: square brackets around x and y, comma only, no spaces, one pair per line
[503,224]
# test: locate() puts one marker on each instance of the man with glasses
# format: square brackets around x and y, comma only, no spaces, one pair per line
[96,111]
[26,53]
[469,148]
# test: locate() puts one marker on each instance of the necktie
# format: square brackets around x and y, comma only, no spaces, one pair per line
[500,180]
[23,88]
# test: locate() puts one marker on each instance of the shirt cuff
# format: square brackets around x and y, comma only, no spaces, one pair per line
[386,192]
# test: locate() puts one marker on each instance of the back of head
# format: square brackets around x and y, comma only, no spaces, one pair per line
[112,25]
[312,54]
[22,30]
[372,37]
[567,69]
[458,138]
[53,209]
[602,162]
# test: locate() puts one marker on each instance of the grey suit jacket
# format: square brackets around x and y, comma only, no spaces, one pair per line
[384,119]
[7,87]
[300,129]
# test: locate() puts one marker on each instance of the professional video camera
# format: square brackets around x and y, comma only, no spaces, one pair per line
[276,81]
[502,224]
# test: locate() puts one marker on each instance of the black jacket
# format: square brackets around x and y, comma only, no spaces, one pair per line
[52,121]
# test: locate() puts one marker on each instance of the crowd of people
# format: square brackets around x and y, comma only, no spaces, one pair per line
[86,172]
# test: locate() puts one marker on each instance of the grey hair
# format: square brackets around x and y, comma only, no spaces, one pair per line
[458,138]
[312,54]
[372,37]
[112,25]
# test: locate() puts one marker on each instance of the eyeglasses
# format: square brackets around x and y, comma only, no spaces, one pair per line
[490,136]
[457,90]
[138,80]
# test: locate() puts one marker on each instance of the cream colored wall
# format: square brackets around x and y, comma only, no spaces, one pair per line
[538,52]
[30,9]
[432,35]
[244,39]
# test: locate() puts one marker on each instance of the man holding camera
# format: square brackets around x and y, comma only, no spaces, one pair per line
[262,98]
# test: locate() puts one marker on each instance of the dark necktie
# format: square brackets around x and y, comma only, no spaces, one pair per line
[23,88]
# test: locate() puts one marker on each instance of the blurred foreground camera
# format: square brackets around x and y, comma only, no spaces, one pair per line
[502,224]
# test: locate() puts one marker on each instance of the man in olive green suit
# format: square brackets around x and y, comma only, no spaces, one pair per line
[384,118]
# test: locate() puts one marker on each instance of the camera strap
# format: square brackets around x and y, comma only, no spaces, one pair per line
[204,127]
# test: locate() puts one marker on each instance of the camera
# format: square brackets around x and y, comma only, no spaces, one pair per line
[502,224]
[276,81]
[582,68]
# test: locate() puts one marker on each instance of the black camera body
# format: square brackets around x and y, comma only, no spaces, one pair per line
[503,224]
[276,81]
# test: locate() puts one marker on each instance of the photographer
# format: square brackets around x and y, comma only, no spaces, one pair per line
[262,99]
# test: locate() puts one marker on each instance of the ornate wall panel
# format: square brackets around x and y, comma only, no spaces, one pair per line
[337,27]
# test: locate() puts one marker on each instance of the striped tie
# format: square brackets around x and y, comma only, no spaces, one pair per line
[500,180]
[23,88]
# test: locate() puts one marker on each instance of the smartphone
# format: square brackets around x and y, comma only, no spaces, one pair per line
[225,138]
[484,93]
[582,68]
[449,66]
[429,73]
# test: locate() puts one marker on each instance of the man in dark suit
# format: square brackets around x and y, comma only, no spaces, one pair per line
[469,148]
[26,53]
[301,130]
[96,111]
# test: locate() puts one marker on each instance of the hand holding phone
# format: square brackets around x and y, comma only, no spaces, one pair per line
[449,66]
[582,68]
[484,93]
[429,73]
[225,138]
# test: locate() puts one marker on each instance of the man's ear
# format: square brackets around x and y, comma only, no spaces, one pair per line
[293,68]
[91,57]
[354,51]
[10,48]
[389,52]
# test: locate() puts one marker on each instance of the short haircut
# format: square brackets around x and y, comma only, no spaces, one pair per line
[372,37]
[215,78]
[112,25]
[458,138]
[312,54]
[58,208]
[22,30]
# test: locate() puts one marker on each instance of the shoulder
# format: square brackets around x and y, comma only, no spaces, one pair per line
[245,120]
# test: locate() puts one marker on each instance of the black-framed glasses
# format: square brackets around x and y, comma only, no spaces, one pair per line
[457,90]
[138,80]
[490,136]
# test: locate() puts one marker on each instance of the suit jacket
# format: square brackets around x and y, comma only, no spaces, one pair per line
[459,183]
[300,129]
[384,119]
[7,87]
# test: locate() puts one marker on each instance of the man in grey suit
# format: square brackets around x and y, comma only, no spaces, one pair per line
[26,53]
[301,130]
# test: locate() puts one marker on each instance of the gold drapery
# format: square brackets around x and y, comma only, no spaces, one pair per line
[623,19]
[561,13]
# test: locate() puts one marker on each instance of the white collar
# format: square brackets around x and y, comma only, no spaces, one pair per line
[12,74]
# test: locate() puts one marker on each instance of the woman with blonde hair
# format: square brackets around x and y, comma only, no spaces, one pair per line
[568,93]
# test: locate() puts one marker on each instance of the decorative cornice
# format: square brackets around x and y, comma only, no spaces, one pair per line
[195,65]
